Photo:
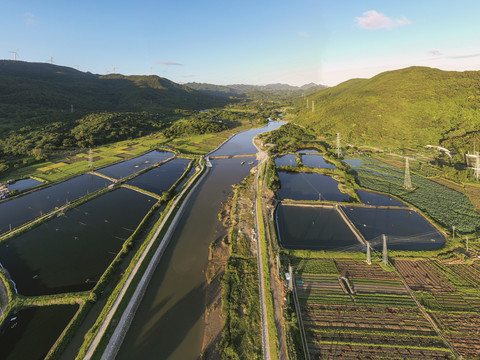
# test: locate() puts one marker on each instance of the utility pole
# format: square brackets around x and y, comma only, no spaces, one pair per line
[453,231]
[90,158]
[313,105]
[71,108]
[407,182]
[339,148]
[51,60]
[369,254]
[466,240]
[307,102]
[290,280]
[385,251]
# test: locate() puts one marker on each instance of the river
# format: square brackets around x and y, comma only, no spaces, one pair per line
[169,322]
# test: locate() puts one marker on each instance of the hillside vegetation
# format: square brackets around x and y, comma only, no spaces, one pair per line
[46,108]
[411,107]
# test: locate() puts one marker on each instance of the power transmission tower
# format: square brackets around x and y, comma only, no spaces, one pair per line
[369,254]
[476,169]
[407,182]
[339,148]
[15,53]
[385,251]
[313,105]
[307,102]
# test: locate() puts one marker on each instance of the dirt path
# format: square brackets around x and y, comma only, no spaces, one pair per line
[214,321]
[263,307]
[3,297]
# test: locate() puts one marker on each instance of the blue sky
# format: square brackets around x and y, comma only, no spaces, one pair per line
[255,42]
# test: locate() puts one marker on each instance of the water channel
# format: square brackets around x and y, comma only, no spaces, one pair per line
[169,323]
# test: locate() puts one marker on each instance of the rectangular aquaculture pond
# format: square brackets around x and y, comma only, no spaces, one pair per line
[71,252]
[314,228]
[161,178]
[132,166]
[405,229]
[376,199]
[31,333]
[25,208]
[309,186]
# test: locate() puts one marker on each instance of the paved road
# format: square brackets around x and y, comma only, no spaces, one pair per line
[263,308]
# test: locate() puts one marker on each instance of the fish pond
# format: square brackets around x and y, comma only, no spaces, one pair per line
[130,167]
[316,161]
[405,229]
[31,333]
[309,186]
[71,252]
[286,160]
[376,199]
[24,184]
[160,179]
[313,228]
[25,208]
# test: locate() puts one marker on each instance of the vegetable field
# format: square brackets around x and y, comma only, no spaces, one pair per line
[352,310]
[444,205]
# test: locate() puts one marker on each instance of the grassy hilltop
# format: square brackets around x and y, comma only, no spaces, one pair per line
[415,106]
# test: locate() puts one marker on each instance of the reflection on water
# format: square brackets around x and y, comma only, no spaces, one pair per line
[313,228]
[241,144]
[406,229]
[309,186]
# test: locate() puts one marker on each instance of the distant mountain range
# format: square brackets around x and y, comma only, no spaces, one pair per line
[242,90]
[39,93]
[415,106]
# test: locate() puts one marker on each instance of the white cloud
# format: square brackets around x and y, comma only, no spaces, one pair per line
[373,20]
[435,52]
[168,63]
[30,19]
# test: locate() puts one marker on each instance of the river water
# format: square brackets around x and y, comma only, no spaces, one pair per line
[169,322]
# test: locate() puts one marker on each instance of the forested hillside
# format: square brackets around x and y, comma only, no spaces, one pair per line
[415,106]
[44,108]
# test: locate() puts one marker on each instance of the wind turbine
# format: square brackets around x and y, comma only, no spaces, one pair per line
[15,53]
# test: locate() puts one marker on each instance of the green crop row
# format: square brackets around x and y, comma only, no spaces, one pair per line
[444,205]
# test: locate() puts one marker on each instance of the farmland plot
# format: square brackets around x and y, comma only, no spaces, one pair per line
[354,311]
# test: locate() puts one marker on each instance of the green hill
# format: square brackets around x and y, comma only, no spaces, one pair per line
[38,93]
[37,99]
[411,107]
